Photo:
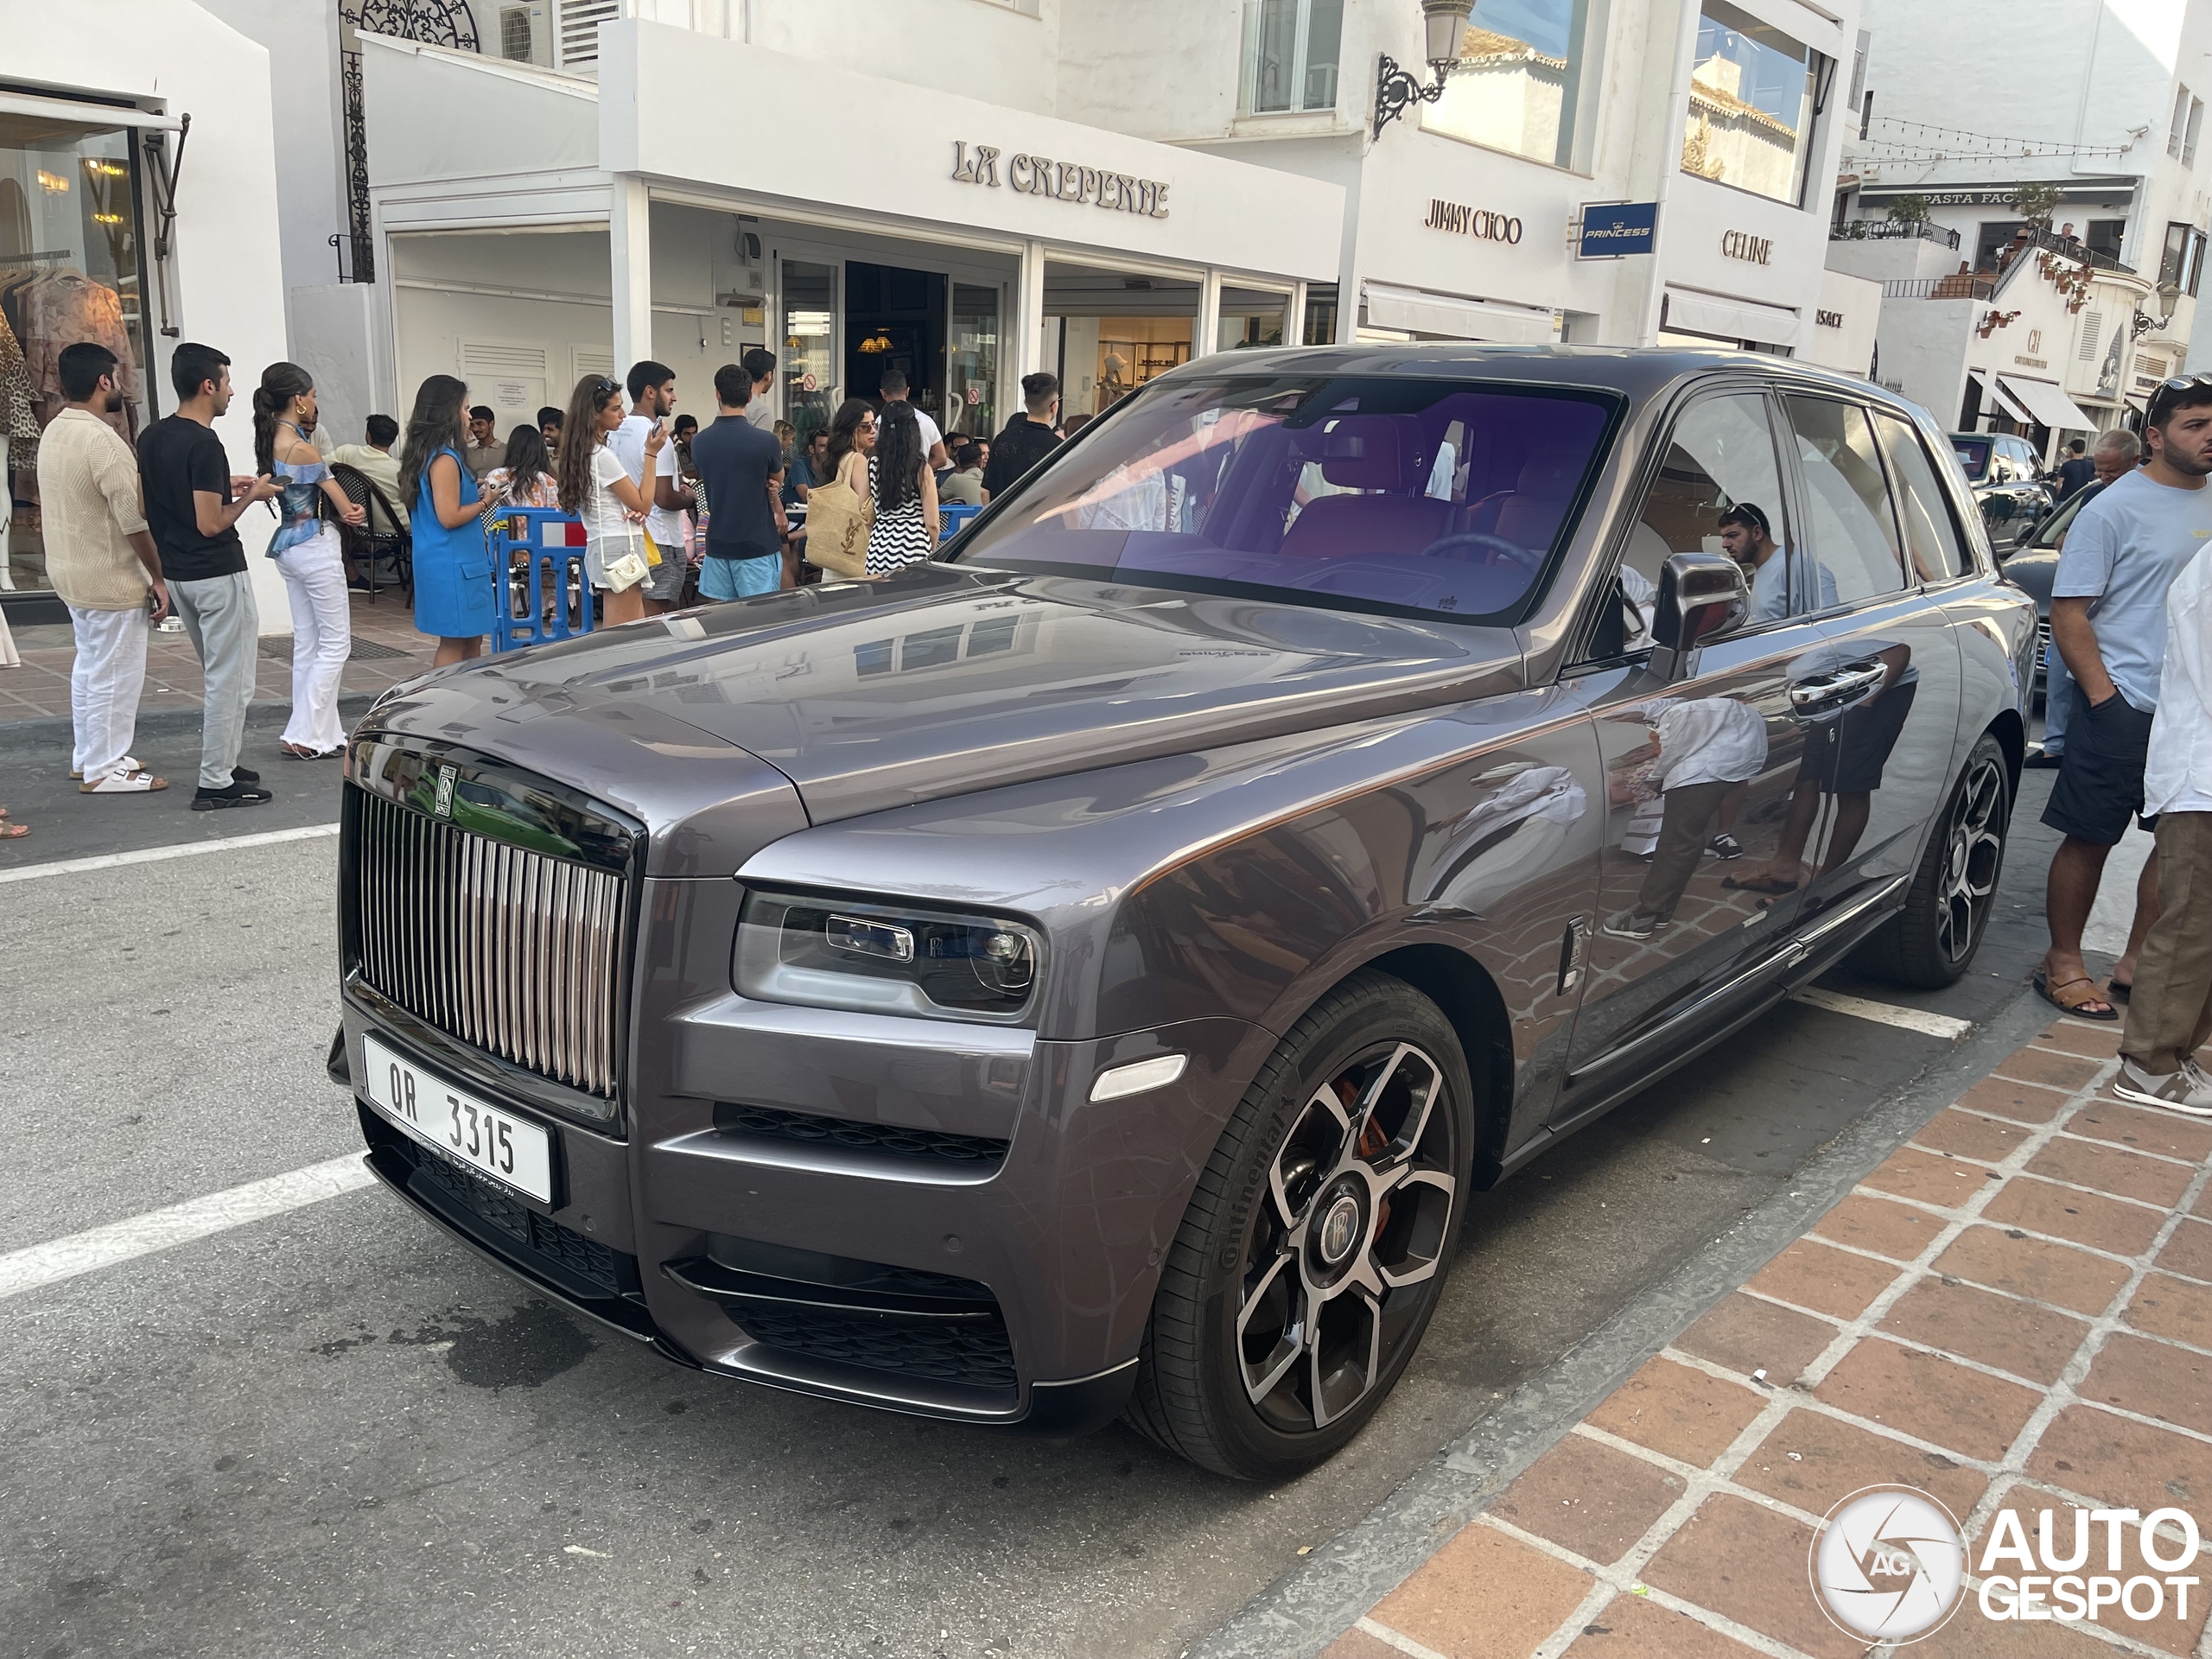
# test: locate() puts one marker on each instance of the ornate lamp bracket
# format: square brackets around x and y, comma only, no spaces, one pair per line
[1396,90]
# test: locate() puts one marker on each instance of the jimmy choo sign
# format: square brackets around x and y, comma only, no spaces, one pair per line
[1478,222]
[1041,175]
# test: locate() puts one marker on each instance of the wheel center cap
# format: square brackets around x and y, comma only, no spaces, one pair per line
[1339,1229]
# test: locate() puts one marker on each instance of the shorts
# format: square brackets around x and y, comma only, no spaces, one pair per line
[1846,755]
[721,578]
[2099,783]
[664,582]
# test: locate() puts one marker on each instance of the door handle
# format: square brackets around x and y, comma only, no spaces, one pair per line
[1846,685]
[1571,945]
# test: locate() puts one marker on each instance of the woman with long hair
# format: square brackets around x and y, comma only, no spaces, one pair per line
[454,596]
[524,477]
[308,557]
[852,434]
[595,487]
[905,491]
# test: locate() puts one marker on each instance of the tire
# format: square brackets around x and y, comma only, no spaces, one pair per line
[1931,941]
[1339,1184]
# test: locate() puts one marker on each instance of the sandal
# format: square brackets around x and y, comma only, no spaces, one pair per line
[13,831]
[125,783]
[2082,1005]
[1770,884]
[130,763]
[2116,992]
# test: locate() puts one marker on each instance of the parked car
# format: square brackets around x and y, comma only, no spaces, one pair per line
[1088,974]
[2034,566]
[2005,476]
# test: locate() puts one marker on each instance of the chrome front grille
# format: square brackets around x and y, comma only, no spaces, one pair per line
[2042,643]
[511,951]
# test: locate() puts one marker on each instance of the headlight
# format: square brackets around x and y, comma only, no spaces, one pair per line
[884,958]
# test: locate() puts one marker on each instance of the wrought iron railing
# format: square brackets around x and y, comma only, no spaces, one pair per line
[1893,230]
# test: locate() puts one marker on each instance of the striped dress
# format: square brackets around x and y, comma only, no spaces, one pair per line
[896,539]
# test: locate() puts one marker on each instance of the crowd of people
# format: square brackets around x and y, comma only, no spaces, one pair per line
[674,513]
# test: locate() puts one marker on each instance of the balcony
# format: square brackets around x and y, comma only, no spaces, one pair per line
[1961,286]
[1893,230]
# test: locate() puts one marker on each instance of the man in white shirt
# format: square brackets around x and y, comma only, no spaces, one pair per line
[759,364]
[1706,747]
[893,387]
[375,461]
[2169,1010]
[653,396]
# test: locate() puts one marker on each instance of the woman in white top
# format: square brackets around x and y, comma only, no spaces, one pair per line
[596,488]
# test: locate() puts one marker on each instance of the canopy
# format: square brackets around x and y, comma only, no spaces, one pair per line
[1992,388]
[2050,406]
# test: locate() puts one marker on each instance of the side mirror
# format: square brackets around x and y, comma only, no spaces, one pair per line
[1701,596]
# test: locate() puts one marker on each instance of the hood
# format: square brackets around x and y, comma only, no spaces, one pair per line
[945,681]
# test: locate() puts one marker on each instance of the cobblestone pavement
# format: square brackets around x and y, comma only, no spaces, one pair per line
[2013,1311]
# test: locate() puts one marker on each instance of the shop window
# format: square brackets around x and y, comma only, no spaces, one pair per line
[1291,48]
[1517,85]
[2182,260]
[69,271]
[971,388]
[1753,94]
[1851,533]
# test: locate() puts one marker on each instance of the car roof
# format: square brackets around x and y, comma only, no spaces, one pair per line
[1640,371]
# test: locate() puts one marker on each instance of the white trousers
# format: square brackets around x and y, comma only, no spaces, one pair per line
[104,687]
[322,638]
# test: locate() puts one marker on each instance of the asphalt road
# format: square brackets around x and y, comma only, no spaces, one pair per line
[335,1431]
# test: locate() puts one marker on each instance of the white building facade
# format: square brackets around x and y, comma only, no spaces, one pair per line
[970,189]
[119,226]
[2055,330]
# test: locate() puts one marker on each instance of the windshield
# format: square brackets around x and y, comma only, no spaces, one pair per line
[1974,455]
[1410,498]
[2054,527]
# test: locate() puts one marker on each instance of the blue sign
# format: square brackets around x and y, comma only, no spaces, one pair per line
[1614,230]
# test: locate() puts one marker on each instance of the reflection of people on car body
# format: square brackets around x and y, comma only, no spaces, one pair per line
[1708,748]
[1844,753]
[1508,837]
[1747,537]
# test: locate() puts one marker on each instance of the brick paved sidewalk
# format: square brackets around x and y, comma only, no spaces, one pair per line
[2014,1311]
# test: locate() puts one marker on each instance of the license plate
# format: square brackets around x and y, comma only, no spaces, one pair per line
[510,1150]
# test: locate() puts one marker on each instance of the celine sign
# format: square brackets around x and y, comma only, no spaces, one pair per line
[1742,245]
[1477,222]
[1615,230]
[1040,175]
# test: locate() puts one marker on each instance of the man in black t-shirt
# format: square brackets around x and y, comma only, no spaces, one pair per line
[1028,437]
[193,506]
[735,460]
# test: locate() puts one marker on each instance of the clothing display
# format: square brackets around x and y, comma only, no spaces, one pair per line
[49,307]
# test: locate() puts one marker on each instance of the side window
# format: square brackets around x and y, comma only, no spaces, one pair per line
[1932,540]
[1720,456]
[1851,534]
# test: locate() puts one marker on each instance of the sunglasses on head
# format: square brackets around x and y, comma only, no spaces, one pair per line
[2169,391]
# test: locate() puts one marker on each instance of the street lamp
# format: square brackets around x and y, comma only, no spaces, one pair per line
[2168,298]
[1395,91]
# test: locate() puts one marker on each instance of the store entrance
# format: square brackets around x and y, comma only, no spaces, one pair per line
[895,319]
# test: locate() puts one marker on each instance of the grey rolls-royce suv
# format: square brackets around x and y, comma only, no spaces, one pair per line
[1086,974]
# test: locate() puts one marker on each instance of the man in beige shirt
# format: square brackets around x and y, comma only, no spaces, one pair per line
[103,564]
[375,461]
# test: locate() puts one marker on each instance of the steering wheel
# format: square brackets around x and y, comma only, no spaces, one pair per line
[1476,548]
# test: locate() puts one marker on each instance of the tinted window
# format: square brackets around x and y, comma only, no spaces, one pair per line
[1850,532]
[1410,496]
[1930,538]
[1974,455]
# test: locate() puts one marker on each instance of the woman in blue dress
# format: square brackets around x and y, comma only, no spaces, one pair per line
[453,595]
[308,556]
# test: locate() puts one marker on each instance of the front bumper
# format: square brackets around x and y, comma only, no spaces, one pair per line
[918,1216]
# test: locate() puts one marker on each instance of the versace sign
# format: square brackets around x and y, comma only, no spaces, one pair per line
[1041,175]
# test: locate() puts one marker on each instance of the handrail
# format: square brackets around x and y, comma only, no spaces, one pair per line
[1957,287]
[1893,230]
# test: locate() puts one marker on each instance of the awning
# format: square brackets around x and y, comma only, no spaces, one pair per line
[1728,319]
[1995,392]
[2051,406]
[1423,313]
[90,115]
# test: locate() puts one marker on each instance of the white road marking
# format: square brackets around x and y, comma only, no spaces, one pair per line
[155,854]
[179,1224]
[1929,1025]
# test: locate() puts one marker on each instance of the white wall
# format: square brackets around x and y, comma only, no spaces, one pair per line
[332,340]
[1165,69]
[1849,343]
[959,47]
[225,281]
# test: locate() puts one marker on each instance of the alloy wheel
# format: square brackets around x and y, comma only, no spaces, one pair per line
[1974,852]
[1342,1256]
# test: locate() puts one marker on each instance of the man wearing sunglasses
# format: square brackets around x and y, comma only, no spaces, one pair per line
[2108,619]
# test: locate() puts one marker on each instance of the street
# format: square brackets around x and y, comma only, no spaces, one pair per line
[335,1430]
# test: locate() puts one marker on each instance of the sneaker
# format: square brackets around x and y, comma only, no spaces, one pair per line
[1724,846]
[240,775]
[236,794]
[2187,1090]
[2046,760]
[1628,924]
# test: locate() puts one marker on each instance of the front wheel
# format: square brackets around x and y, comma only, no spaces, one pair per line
[1929,942]
[1313,1251]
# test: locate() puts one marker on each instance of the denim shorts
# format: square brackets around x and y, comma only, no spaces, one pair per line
[2099,783]
[739,578]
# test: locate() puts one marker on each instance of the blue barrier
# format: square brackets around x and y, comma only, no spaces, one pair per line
[951,518]
[532,548]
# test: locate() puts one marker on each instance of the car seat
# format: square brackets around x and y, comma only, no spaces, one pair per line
[1379,453]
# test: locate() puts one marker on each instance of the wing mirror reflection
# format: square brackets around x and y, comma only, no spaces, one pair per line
[1701,596]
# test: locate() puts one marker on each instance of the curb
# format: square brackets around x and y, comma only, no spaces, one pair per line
[171,722]
[1308,1608]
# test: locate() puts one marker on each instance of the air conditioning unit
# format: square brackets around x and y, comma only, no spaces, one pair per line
[526,32]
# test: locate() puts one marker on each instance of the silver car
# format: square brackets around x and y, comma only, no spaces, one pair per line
[1086,975]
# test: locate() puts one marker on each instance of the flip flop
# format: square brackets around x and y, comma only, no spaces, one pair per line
[14,831]
[2079,1006]
[1770,884]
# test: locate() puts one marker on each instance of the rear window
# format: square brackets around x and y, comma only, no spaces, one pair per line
[1417,497]
[1974,455]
